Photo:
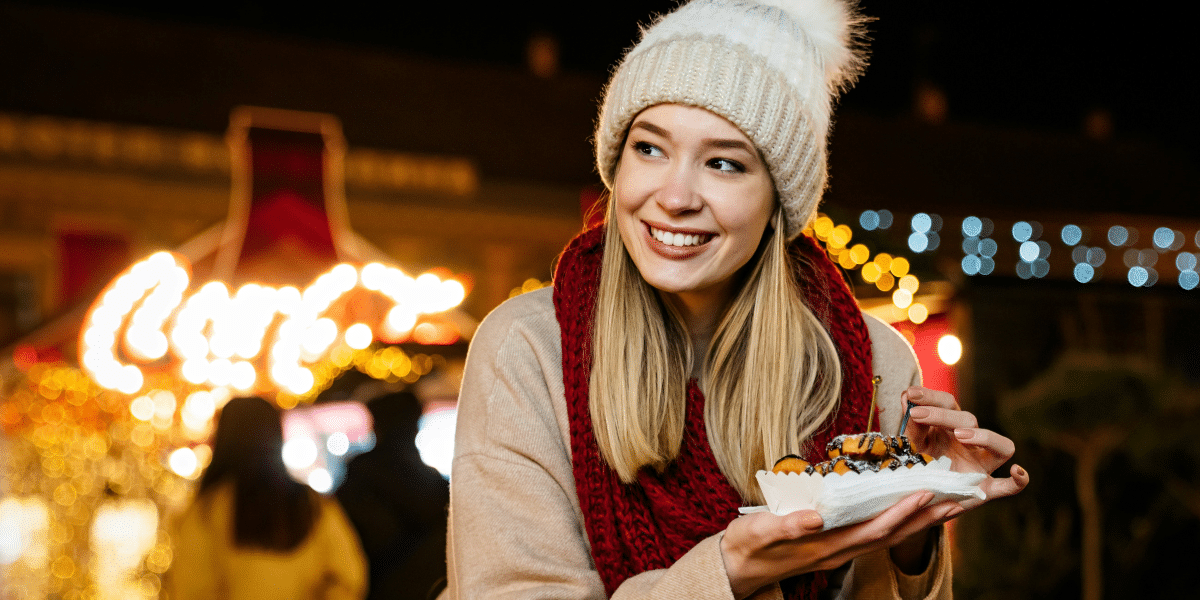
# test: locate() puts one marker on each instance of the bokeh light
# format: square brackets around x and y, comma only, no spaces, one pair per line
[1071,235]
[949,349]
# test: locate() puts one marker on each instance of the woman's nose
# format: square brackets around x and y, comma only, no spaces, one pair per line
[679,192]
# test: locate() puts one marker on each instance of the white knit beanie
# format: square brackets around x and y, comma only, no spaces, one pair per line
[772,68]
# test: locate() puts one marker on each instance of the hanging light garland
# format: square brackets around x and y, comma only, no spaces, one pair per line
[886,272]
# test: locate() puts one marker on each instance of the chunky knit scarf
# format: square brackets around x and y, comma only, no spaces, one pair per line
[653,522]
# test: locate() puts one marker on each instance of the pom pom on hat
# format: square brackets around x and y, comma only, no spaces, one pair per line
[772,68]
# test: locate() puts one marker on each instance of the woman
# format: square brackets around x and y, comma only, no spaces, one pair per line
[609,431]
[252,531]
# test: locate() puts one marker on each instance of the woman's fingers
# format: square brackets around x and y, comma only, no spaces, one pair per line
[927,397]
[999,487]
[943,417]
[988,440]
[801,523]
[895,517]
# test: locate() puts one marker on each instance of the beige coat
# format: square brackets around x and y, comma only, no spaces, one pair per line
[516,530]
[328,565]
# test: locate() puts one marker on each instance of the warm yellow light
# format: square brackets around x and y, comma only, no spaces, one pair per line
[142,408]
[359,336]
[949,349]
[822,227]
[130,379]
[870,272]
[841,235]
[373,276]
[198,409]
[164,404]
[195,370]
[401,320]
[846,260]
[183,462]
[145,314]
[910,283]
[242,375]
[884,260]
[917,313]
[859,253]
[899,266]
[885,281]
[453,293]
[902,298]
[220,372]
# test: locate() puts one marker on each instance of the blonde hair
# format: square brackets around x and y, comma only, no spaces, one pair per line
[771,373]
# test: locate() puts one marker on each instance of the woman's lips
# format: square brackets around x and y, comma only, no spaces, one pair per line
[676,243]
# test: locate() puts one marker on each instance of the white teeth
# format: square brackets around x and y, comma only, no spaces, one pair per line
[678,239]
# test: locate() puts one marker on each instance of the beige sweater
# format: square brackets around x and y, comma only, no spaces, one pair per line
[516,530]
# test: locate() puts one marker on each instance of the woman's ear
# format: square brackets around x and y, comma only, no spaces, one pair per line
[776,218]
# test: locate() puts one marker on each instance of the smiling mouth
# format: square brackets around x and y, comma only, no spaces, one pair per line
[682,240]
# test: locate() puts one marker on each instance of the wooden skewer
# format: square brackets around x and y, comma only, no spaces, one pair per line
[874,392]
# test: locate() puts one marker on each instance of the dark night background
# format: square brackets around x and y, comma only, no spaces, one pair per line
[1024,75]
[1025,84]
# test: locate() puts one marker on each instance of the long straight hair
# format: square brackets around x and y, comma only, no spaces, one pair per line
[271,510]
[771,374]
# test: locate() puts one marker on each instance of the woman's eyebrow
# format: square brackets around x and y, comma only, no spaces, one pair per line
[729,143]
[652,128]
[732,143]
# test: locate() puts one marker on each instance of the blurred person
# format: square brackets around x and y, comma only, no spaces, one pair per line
[398,504]
[253,532]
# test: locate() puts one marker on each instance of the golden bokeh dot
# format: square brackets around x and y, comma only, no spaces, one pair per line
[846,260]
[142,435]
[151,585]
[885,282]
[63,567]
[860,253]
[910,283]
[917,313]
[65,494]
[899,266]
[841,235]
[158,560]
[822,227]
[884,260]
[870,272]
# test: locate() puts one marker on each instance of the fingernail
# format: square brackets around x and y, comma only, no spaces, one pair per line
[915,393]
[919,412]
[1021,472]
[954,512]
[927,498]
[964,434]
[811,520]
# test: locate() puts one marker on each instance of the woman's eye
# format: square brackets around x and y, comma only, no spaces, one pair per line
[724,164]
[647,148]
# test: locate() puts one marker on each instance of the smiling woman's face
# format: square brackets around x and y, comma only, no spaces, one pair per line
[693,198]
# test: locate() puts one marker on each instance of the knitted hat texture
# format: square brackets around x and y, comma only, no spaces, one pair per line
[772,68]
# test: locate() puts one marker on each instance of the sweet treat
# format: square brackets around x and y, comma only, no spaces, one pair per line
[858,446]
[792,464]
[858,453]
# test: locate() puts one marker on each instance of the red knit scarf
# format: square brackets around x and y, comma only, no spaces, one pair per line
[650,524]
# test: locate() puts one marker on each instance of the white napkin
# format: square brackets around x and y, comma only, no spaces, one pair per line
[855,497]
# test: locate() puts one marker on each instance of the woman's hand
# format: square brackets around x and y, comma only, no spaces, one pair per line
[938,426]
[762,548]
